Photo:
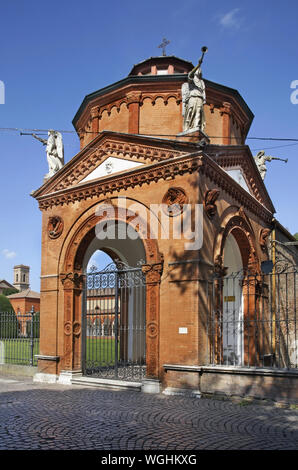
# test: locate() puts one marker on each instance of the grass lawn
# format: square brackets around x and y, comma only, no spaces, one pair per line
[101,351]
[18,351]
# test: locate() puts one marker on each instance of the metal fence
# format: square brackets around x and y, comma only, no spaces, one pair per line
[253,319]
[19,338]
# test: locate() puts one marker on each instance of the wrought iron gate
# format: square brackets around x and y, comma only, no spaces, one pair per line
[253,318]
[114,320]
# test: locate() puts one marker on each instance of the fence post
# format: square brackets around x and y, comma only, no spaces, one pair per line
[32,311]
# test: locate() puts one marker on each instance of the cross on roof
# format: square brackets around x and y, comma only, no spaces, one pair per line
[164,43]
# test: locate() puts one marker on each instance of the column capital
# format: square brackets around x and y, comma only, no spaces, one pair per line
[72,280]
[133,97]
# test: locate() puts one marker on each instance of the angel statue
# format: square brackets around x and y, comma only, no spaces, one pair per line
[261,160]
[193,100]
[55,151]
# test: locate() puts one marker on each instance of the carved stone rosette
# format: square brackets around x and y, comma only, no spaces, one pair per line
[55,227]
[174,199]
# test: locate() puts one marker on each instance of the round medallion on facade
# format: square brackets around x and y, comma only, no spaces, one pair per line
[67,328]
[152,329]
[55,226]
[173,201]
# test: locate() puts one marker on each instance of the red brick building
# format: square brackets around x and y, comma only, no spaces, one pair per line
[22,302]
[133,150]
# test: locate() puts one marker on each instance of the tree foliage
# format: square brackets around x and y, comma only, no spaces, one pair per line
[10,291]
[5,305]
[9,326]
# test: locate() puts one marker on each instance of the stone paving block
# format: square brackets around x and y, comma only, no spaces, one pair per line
[59,417]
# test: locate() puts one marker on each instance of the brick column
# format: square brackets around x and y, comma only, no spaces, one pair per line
[81,134]
[73,286]
[95,121]
[225,111]
[153,275]
[133,103]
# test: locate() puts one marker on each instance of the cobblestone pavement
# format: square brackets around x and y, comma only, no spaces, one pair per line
[43,417]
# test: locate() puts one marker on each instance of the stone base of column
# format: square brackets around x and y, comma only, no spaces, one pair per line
[151,386]
[66,376]
[182,392]
[45,378]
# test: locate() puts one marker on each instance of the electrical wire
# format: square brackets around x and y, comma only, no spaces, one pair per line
[16,129]
[45,131]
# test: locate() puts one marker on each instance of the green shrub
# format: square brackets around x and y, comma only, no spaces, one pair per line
[5,305]
[9,325]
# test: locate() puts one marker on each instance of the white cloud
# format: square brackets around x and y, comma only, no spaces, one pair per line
[231,19]
[9,254]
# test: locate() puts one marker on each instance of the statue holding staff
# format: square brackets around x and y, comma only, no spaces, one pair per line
[261,160]
[55,151]
[194,98]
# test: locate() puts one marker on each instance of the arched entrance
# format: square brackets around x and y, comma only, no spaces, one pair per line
[79,246]
[235,296]
[232,309]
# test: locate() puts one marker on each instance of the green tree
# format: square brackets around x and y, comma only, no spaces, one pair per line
[296,235]
[9,325]
[5,305]
[9,291]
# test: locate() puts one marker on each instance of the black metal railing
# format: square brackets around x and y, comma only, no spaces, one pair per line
[19,337]
[253,319]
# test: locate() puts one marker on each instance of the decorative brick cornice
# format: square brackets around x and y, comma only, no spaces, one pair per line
[226,183]
[226,108]
[229,157]
[136,177]
[133,97]
[94,112]
[103,146]
[161,170]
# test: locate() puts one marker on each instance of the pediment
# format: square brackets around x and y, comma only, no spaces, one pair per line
[240,165]
[238,175]
[110,153]
[110,166]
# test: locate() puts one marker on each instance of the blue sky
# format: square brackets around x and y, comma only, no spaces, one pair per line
[53,54]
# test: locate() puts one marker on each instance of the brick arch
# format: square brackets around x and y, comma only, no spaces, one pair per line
[71,275]
[239,226]
[80,241]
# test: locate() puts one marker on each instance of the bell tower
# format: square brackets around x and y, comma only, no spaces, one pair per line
[21,277]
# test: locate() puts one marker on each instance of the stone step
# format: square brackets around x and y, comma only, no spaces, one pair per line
[107,383]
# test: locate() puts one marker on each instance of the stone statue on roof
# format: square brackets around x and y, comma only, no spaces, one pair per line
[55,151]
[194,98]
[261,160]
